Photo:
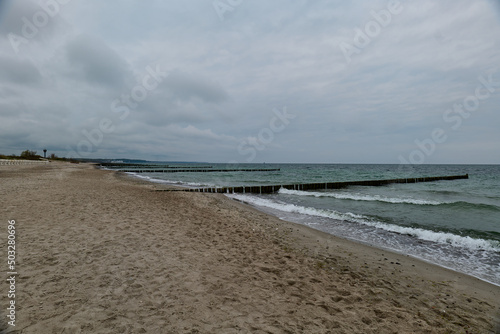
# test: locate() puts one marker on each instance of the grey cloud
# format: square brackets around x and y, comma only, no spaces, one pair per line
[27,24]
[187,86]
[182,98]
[96,61]
[13,14]
[225,77]
[18,71]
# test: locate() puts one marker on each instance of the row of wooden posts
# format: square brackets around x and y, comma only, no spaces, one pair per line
[120,165]
[316,186]
[195,170]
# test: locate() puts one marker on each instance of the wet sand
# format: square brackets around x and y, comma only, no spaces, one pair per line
[101,252]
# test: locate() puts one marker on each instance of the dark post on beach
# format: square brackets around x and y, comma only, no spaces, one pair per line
[44,152]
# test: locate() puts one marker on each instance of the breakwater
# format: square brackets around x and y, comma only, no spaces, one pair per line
[195,170]
[268,189]
[122,165]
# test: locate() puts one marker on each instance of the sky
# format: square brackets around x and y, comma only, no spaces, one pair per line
[240,81]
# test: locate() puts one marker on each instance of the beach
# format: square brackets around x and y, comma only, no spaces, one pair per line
[101,252]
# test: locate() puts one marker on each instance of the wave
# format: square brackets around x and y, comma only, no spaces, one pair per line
[179,183]
[427,235]
[443,192]
[378,198]
[477,206]
[360,197]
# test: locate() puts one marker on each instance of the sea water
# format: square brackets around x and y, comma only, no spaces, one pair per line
[454,224]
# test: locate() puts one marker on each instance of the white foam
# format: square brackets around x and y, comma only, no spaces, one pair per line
[438,237]
[359,197]
[180,183]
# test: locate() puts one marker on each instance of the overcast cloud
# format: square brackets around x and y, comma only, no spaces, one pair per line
[252,81]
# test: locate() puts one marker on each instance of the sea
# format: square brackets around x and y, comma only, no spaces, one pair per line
[453,224]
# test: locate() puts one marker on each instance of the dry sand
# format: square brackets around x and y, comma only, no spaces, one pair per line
[99,252]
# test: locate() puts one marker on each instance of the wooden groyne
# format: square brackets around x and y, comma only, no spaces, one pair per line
[188,167]
[195,170]
[319,186]
[119,165]
[112,165]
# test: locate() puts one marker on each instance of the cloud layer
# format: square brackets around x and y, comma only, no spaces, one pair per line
[368,82]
